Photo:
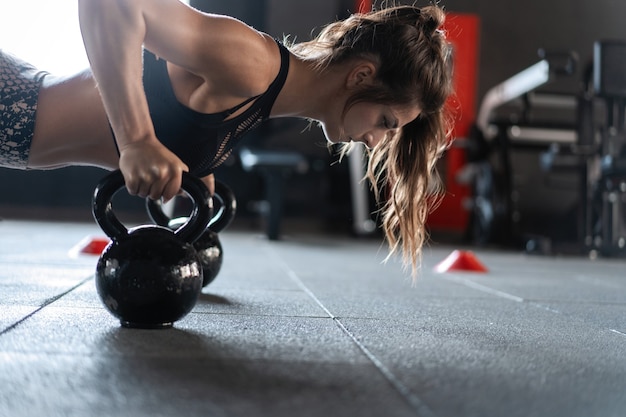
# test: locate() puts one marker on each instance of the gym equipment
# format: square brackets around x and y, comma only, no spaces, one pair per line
[599,152]
[606,197]
[515,200]
[362,221]
[589,154]
[275,167]
[208,245]
[149,276]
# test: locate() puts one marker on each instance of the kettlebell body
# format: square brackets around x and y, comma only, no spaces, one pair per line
[208,245]
[149,279]
[210,252]
[149,276]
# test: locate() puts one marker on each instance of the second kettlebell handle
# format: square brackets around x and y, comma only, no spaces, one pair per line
[221,219]
[227,210]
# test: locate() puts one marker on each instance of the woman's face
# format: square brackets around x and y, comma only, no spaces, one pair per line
[369,123]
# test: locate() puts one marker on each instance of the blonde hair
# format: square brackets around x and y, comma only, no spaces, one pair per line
[414,67]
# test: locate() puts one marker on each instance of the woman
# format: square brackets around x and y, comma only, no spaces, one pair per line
[172,89]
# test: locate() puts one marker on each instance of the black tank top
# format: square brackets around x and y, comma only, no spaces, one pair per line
[203,141]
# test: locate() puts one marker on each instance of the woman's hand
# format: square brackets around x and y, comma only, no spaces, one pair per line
[209,181]
[151,170]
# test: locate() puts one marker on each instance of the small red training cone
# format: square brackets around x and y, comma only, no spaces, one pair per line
[460,260]
[90,245]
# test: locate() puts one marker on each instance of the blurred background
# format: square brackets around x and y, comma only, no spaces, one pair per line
[520,179]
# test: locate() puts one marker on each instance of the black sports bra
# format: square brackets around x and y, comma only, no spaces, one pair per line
[203,141]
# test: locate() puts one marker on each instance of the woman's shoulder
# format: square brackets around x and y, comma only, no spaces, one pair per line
[250,63]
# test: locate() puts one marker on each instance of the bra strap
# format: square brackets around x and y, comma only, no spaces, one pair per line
[232,110]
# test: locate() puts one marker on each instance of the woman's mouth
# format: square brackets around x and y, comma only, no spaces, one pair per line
[363,141]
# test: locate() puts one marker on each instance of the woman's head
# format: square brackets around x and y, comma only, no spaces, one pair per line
[404,43]
[411,60]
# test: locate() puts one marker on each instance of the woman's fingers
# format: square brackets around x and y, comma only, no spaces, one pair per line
[171,188]
[209,181]
[156,183]
[152,171]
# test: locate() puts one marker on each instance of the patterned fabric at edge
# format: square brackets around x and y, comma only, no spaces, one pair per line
[19,89]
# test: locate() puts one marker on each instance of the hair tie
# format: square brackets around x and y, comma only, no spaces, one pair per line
[431,25]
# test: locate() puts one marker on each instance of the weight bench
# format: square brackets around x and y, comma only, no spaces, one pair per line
[274,167]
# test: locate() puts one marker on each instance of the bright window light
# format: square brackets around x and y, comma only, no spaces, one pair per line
[43,32]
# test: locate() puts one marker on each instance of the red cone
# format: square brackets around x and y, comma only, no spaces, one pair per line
[460,260]
[91,245]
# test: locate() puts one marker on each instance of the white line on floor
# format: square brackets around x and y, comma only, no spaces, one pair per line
[484,288]
[420,407]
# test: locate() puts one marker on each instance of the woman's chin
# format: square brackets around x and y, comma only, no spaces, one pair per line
[330,136]
[334,140]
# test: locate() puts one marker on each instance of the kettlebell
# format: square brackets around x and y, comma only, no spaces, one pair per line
[149,276]
[208,245]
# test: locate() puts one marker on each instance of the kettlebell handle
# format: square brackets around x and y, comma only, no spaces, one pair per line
[192,229]
[228,207]
[220,220]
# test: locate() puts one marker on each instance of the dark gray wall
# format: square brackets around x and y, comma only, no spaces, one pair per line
[513,31]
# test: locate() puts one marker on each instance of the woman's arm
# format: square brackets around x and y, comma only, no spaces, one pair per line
[113,32]
[221,50]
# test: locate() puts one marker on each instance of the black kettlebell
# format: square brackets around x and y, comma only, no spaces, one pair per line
[208,245]
[149,276]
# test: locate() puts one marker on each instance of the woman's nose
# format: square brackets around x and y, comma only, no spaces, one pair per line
[376,136]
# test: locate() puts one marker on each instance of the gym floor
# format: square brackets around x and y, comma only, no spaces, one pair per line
[315,326]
